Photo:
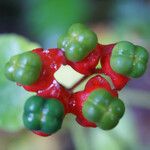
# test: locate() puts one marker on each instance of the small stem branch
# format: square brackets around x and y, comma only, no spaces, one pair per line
[79,82]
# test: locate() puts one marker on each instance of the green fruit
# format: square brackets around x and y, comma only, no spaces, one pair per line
[23,68]
[128,59]
[78,42]
[103,109]
[12,97]
[43,115]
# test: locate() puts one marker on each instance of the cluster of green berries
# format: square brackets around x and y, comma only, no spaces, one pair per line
[98,104]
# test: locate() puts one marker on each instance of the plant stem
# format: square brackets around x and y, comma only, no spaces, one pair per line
[78,83]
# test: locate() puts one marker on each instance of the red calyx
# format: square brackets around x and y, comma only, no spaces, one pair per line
[78,98]
[87,66]
[118,80]
[41,133]
[51,59]
[47,87]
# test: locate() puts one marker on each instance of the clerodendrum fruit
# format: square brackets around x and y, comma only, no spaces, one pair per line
[43,115]
[98,104]
[24,68]
[103,109]
[78,42]
[128,59]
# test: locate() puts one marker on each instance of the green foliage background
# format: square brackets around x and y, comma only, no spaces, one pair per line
[12,97]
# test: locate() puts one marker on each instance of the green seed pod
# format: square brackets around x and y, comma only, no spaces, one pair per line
[103,109]
[78,42]
[128,59]
[43,115]
[24,68]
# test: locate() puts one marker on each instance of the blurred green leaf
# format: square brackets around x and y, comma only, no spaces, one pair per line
[28,141]
[122,137]
[117,139]
[12,97]
[48,19]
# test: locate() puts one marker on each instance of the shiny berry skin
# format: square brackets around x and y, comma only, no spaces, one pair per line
[77,100]
[103,109]
[44,115]
[24,68]
[128,59]
[78,42]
